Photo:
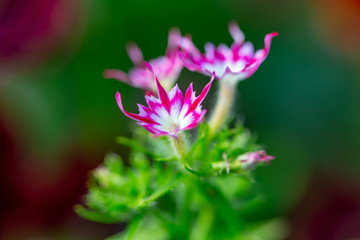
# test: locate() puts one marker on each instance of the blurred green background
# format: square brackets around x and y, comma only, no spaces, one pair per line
[58,115]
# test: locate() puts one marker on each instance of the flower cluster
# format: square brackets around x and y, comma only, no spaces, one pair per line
[167,68]
[169,111]
[211,158]
[229,64]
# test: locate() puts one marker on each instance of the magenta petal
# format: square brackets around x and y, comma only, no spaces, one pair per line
[196,120]
[260,55]
[149,67]
[267,41]
[238,62]
[245,52]
[176,96]
[131,115]
[167,114]
[188,95]
[153,103]
[184,56]
[202,95]
[144,111]
[164,98]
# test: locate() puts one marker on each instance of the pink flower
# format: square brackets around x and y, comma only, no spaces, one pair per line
[167,67]
[170,113]
[251,159]
[229,64]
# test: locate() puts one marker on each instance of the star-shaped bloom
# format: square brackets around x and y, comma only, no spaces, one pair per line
[170,113]
[167,67]
[232,64]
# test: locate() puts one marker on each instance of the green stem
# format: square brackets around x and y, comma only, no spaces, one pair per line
[223,105]
[179,145]
[205,220]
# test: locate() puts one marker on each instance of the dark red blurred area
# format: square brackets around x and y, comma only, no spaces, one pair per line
[329,210]
[36,201]
[32,30]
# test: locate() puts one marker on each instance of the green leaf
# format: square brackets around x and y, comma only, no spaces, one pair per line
[162,189]
[133,227]
[114,163]
[166,159]
[94,216]
[224,209]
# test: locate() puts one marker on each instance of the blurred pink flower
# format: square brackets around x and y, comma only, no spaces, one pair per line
[170,113]
[229,64]
[167,68]
[251,159]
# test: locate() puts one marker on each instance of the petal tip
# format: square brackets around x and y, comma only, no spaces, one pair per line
[236,32]
[118,100]
[213,75]
[115,74]
[118,96]
[134,53]
[148,66]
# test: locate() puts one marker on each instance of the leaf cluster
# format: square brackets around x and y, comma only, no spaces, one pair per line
[161,197]
[118,192]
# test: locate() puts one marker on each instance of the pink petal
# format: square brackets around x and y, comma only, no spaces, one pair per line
[153,103]
[188,95]
[131,115]
[247,50]
[141,78]
[174,38]
[149,67]
[145,111]
[267,41]
[175,95]
[196,119]
[135,54]
[151,129]
[220,55]
[116,74]
[176,100]
[184,56]
[260,55]
[202,95]
[164,98]
[224,50]
[210,50]
[188,45]
[236,33]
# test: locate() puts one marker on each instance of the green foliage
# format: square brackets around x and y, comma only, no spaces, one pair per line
[116,192]
[164,198]
[213,155]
